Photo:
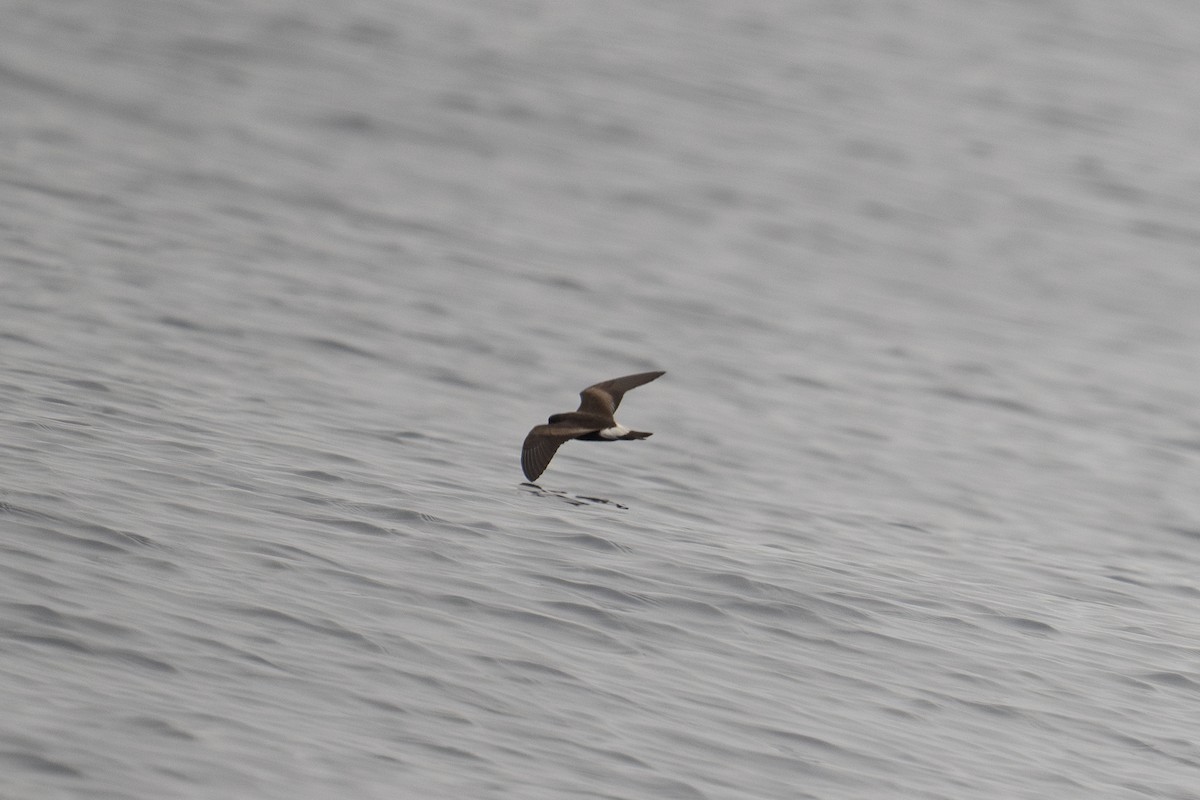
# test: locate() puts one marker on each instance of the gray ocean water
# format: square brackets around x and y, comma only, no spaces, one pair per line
[284,284]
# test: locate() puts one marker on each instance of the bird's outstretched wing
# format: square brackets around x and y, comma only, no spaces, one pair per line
[603,398]
[543,442]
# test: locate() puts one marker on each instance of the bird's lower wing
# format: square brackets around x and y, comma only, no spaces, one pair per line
[542,443]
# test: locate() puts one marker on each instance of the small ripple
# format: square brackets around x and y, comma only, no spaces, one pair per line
[605,594]
[359,526]
[670,787]
[197,327]
[288,552]
[794,738]
[1157,229]
[319,475]
[160,727]
[339,347]
[238,653]
[1003,403]
[104,539]
[67,643]
[772,611]
[807,382]
[525,671]
[381,704]
[695,608]
[546,624]
[1187,533]
[397,514]
[326,627]
[594,542]
[136,658]
[185,447]
[995,709]
[348,524]
[1172,679]
[450,750]
[351,122]
[75,645]
[16,337]
[90,386]
[1029,625]
[1134,743]
[592,614]
[401,436]
[37,763]
[741,584]
[45,615]
[955,622]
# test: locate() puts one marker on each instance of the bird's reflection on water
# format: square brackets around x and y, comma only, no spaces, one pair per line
[572,499]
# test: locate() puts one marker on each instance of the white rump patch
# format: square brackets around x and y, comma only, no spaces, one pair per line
[615,432]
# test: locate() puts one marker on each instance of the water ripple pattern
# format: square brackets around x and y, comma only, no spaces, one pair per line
[284,285]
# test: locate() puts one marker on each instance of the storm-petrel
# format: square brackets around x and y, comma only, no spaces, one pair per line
[593,422]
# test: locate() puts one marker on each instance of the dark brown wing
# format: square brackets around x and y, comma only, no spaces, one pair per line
[542,443]
[603,398]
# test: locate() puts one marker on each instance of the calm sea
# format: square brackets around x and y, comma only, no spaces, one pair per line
[284,284]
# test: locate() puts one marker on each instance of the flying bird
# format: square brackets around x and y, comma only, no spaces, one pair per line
[593,422]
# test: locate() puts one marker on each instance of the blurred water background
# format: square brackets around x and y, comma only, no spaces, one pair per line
[284,283]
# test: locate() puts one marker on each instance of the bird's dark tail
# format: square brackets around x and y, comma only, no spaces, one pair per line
[637,435]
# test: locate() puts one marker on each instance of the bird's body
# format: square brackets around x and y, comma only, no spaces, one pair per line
[593,422]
